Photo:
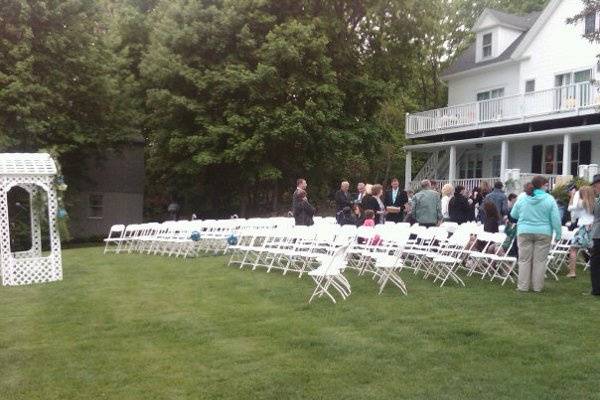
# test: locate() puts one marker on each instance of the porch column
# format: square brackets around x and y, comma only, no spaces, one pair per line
[566,166]
[503,159]
[407,169]
[452,164]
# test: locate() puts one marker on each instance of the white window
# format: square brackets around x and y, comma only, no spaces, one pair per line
[490,94]
[496,166]
[530,86]
[96,206]
[571,94]
[486,49]
[573,77]
[590,23]
[471,166]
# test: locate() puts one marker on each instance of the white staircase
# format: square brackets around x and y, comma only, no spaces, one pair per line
[436,167]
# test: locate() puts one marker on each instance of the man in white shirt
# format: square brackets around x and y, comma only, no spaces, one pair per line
[395,200]
[360,187]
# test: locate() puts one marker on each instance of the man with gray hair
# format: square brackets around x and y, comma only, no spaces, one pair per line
[342,197]
[427,208]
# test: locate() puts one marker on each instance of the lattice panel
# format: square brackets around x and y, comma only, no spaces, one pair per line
[29,267]
[26,164]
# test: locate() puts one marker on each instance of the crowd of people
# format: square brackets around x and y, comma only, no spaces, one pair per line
[532,217]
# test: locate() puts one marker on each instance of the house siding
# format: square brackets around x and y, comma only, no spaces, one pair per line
[119,178]
[558,48]
[464,90]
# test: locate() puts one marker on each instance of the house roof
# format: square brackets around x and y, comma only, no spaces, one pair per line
[27,164]
[466,60]
[523,22]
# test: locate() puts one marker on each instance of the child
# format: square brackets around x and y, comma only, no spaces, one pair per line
[370,221]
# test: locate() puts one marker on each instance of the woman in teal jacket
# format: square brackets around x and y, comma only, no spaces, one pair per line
[538,218]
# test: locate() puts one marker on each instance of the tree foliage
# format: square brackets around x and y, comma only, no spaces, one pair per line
[589,7]
[235,98]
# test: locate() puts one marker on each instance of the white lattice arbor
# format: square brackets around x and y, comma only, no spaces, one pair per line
[34,173]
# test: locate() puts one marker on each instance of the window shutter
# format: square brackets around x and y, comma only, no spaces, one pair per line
[585,152]
[536,159]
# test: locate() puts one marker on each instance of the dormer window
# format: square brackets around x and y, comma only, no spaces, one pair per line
[590,23]
[487,45]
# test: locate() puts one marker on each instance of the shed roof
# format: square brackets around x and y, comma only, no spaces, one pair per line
[27,164]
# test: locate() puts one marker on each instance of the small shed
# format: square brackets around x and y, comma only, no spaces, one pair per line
[36,174]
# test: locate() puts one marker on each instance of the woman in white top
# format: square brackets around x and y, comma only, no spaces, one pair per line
[447,192]
[582,206]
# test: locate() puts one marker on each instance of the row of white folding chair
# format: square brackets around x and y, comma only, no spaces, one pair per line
[280,248]
[168,238]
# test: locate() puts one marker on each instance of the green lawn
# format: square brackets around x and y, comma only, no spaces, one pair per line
[145,327]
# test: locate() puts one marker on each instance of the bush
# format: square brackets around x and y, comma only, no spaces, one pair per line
[560,192]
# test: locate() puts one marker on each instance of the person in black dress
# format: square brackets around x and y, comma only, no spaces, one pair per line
[303,211]
[373,202]
[460,207]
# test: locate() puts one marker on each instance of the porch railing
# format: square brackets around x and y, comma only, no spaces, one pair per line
[566,98]
[473,183]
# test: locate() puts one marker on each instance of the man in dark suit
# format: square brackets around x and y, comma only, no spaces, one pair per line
[395,198]
[342,198]
[300,186]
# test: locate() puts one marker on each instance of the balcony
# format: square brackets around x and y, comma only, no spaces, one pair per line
[564,101]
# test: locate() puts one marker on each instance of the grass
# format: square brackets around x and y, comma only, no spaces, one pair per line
[144,327]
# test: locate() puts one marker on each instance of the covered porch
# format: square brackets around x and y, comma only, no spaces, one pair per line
[554,153]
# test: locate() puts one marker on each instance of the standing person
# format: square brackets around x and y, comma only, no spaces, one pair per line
[538,218]
[595,235]
[460,208]
[360,189]
[447,192]
[347,217]
[342,198]
[491,223]
[373,202]
[395,200]
[499,199]
[366,196]
[300,185]
[512,199]
[585,218]
[173,210]
[303,211]
[485,189]
[426,208]
[573,210]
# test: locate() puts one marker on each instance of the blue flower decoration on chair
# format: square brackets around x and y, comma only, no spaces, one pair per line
[195,236]
[232,240]
[61,213]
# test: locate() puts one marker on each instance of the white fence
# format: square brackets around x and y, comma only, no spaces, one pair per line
[562,99]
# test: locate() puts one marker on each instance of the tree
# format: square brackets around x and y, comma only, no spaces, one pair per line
[60,84]
[589,7]
[246,95]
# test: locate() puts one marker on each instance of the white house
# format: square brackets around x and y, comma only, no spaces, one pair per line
[522,96]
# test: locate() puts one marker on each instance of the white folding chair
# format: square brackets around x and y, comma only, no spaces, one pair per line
[328,275]
[115,236]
